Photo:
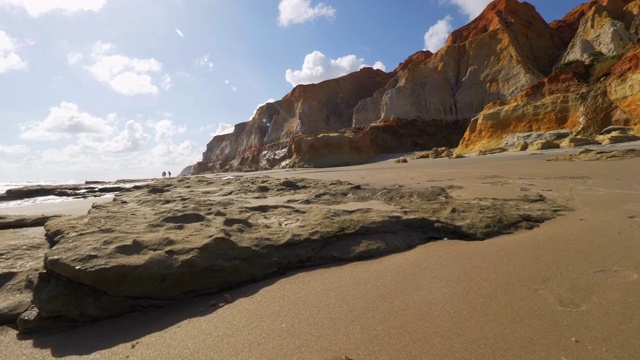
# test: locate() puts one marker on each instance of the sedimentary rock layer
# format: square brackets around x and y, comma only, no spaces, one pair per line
[264,141]
[186,236]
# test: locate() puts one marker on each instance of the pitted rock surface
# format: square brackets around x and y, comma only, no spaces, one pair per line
[179,237]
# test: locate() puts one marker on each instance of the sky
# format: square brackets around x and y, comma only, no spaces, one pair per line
[114,89]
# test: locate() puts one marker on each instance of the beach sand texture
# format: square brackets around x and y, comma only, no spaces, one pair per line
[568,289]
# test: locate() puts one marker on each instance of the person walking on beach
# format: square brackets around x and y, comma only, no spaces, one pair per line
[164,174]
[169,172]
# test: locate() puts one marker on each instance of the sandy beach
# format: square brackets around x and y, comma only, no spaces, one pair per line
[566,290]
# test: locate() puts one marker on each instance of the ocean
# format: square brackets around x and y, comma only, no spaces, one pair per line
[5,185]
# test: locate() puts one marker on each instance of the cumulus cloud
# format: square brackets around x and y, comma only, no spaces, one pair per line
[316,68]
[125,75]
[300,11]
[107,147]
[437,34]
[36,8]
[74,58]
[13,149]
[65,121]
[9,59]
[166,150]
[471,8]
[132,138]
[166,83]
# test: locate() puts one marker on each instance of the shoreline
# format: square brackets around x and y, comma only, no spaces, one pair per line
[565,289]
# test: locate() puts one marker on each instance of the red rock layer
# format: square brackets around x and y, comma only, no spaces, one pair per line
[571,98]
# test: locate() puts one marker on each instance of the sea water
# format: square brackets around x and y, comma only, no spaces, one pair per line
[6,185]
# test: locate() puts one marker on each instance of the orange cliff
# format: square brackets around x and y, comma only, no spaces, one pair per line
[507,71]
[585,94]
[507,48]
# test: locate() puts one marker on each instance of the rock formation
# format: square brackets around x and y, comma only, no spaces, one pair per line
[599,86]
[22,248]
[504,69]
[468,73]
[194,235]
[507,50]
[264,141]
[360,144]
[604,29]
[583,98]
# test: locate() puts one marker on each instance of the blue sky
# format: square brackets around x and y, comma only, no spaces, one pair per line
[108,89]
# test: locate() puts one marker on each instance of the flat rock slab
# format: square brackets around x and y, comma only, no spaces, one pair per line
[21,253]
[180,237]
[593,155]
[22,221]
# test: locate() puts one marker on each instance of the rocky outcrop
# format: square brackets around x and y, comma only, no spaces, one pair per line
[593,155]
[606,29]
[583,98]
[361,144]
[459,80]
[504,69]
[194,235]
[513,140]
[368,110]
[22,248]
[77,191]
[186,171]
[265,140]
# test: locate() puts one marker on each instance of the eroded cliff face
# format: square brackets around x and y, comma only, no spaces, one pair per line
[508,70]
[598,85]
[264,141]
[495,57]
[361,144]
[605,29]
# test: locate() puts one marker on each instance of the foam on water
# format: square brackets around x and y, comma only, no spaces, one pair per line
[6,185]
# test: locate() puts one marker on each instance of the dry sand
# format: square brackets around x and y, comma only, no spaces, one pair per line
[566,290]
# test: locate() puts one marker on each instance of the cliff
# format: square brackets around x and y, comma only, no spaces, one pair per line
[508,71]
[495,57]
[264,141]
[596,84]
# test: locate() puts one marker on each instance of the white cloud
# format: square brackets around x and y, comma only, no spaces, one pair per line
[166,82]
[379,65]
[9,59]
[65,121]
[13,149]
[317,68]
[300,11]
[125,75]
[471,8]
[166,151]
[165,130]
[437,34]
[134,149]
[36,8]
[74,58]
[131,139]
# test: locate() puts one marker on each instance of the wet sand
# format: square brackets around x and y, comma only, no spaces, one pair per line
[568,289]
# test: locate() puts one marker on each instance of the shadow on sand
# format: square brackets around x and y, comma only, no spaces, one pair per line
[106,334]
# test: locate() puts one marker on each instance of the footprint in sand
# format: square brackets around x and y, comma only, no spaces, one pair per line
[576,294]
